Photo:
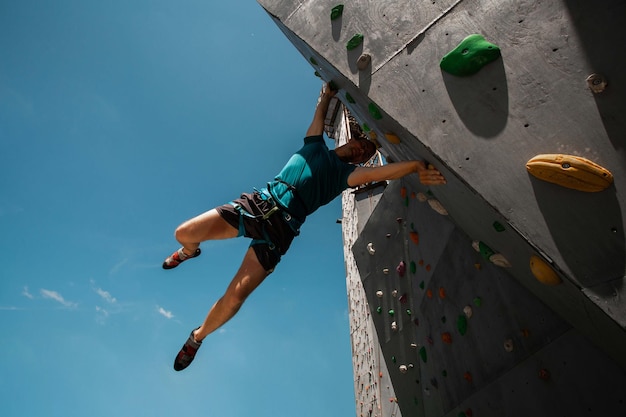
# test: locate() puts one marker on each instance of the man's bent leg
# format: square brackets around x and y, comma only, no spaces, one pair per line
[207,226]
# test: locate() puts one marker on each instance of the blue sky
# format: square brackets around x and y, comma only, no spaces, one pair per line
[118,121]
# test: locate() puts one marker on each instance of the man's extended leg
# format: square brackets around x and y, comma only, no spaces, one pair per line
[207,226]
[248,277]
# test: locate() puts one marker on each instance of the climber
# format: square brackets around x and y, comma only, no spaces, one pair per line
[272,216]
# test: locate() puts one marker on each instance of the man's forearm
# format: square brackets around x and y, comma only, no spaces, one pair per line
[317,125]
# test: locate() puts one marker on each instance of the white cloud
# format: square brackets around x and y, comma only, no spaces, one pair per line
[165,313]
[27,294]
[106,296]
[56,297]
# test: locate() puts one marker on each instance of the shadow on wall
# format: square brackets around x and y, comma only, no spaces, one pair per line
[600,26]
[481,100]
[587,229]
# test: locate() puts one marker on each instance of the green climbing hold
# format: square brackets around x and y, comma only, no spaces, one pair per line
[408,311]
[313,61]
[317,74]
[374,111]
[485,251]
[406,201]
[461,324]
[333,86]
[391,312]
[366,128]
[349,98]
[444,373]
[423,354]
[422,285]
[412,267]
[379,310]
[478,301]
[498,226]
[473,53]
[393,359]
[336,12]
[354,42]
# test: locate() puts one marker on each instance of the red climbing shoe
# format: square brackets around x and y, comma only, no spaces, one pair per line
[178,257]
[187,353]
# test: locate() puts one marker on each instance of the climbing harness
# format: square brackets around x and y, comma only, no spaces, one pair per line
[265,195]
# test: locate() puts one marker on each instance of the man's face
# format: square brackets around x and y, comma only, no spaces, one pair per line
[360,150]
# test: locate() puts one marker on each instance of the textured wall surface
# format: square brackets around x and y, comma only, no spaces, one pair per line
[480,131]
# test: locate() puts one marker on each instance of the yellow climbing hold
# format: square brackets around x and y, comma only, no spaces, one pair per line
[570,171]
[543,272]
[392,138]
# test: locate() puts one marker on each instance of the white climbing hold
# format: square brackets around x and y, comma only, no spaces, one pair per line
[499,260]
[508,345]
[385,271]
[438,207]
[370,248]
[413,345]
[394,326]
[403,369]
[421,197]
[379,294]
[476,245]
[467,310]
[394,293]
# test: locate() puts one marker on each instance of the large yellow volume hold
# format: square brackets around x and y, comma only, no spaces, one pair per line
[570,171]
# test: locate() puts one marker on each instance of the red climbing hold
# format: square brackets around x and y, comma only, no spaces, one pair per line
[468,377]
[447,338]
[403,192]
[442,293]
[429,293]
[544,374]
[401,268]
[415,238]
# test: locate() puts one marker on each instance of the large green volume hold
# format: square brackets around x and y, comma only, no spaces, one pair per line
[473,53]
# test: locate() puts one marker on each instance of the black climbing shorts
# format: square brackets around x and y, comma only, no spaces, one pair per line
[278,231]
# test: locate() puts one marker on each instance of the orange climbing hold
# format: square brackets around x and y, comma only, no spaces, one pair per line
[403,192]
[543,272]
[415,237]
[442,293]
[429,293]
[446,337]
[468,377]
[428,267]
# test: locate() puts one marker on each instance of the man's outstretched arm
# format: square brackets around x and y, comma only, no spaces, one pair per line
[395,170]
[317,125]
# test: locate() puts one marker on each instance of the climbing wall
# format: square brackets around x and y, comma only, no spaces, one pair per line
[460,336]
[505,98]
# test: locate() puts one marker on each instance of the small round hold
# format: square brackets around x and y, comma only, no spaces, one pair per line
[508,345]
[379,294]
[597,83]
[370,248]
[364,61]
[385,271]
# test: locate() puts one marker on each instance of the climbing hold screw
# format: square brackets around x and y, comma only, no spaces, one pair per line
[597,83]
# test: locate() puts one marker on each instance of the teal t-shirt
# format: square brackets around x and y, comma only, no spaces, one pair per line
[317,175]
